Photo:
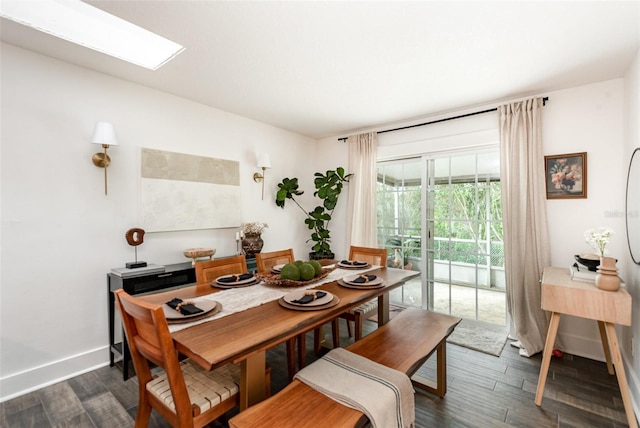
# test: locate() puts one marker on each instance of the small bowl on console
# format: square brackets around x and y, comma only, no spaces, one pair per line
[198,253]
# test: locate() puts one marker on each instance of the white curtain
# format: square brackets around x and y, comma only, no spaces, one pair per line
[361,208]
[526,235]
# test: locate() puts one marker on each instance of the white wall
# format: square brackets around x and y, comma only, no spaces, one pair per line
[632,271]
[587,119]
[61,234]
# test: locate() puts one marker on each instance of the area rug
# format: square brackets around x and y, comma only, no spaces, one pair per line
[479,337]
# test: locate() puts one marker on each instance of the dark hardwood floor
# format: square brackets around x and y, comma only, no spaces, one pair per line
[483,391]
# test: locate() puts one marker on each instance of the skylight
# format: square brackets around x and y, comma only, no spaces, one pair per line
[93,28]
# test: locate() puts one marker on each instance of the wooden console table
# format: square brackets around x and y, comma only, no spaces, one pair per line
[561,295]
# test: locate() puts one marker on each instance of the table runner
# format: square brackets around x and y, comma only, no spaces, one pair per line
[384,394]
[242,298]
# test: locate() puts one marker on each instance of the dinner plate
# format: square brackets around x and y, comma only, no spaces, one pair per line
[244,281]
[234,285]
[349,280]
[295,295]
[295,307]
[359,286]
[348,266]
[277,268]
[207,306]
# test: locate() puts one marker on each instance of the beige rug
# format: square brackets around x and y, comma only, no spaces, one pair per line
[483,337]
[479,337]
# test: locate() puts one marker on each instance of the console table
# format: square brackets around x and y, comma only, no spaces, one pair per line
[561,295]
[175,275]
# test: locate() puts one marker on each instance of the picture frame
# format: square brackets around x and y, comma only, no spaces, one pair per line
[566,176]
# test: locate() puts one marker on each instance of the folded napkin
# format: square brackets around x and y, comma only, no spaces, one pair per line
[308,298]
[362,279]
[184,308]
[235,278]
[353,263]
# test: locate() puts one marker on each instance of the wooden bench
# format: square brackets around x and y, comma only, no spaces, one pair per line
[405,344]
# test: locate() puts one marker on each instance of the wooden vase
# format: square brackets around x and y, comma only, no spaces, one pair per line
[607,277]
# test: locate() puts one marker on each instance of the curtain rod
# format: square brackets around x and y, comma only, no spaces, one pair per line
[544,101]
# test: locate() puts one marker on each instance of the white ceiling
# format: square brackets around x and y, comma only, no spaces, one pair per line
[327,68]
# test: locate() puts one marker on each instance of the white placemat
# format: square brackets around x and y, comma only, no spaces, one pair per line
[240,299]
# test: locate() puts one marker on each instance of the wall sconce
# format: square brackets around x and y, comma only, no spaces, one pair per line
[263,162]
[105,134]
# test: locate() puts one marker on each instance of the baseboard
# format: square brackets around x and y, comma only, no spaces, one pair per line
[26,381]
[581,346]
[633,378]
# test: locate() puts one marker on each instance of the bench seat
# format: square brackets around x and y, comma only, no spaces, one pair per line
[404,343]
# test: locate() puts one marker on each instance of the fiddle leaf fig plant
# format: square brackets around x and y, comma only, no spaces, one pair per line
[328,188]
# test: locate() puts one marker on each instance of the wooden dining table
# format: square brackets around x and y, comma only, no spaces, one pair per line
[244,337]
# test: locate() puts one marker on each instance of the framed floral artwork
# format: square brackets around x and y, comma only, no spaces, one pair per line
[566,176]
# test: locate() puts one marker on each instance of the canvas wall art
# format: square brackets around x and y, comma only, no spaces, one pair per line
[187,192]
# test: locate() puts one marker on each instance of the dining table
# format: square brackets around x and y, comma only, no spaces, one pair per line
[243,337]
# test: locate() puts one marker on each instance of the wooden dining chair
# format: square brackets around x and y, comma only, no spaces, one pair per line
[185,394]
[373,256]
[266,261]
[209,270]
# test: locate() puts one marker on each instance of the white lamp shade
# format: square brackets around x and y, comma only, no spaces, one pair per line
[264,161]
[104,133]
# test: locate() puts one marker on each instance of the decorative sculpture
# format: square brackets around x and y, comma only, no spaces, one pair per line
[135,237]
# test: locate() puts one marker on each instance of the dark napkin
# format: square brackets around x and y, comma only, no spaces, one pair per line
[185,309]
[235,278]
[353,263]
[307,298]
[361,279]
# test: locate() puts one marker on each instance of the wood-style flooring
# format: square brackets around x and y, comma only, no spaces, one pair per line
[483,391]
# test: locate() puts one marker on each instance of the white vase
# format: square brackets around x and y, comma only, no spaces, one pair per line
[607,277]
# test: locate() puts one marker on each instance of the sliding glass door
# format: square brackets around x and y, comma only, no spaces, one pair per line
[400,222]
[441,215]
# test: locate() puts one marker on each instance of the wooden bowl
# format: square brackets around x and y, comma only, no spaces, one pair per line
[197,253]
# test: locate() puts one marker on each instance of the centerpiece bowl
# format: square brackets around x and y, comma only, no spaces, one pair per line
[275,279]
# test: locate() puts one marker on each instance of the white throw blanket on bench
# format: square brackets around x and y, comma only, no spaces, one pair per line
[384,394]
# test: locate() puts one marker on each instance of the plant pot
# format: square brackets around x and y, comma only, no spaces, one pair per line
[321,256]
[252,244]
[607,277]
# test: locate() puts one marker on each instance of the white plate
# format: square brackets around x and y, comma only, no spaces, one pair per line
[277,268]
[205,305]
[244,281]
[349,280]
[347,266]
[295,295]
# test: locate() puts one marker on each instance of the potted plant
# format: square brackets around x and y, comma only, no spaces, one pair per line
[328,188]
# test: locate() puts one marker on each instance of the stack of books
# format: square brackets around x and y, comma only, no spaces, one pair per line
[582,273]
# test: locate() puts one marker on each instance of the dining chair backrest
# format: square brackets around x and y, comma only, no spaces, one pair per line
[149,340]
[209,270]
[266,261]
[373,256]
